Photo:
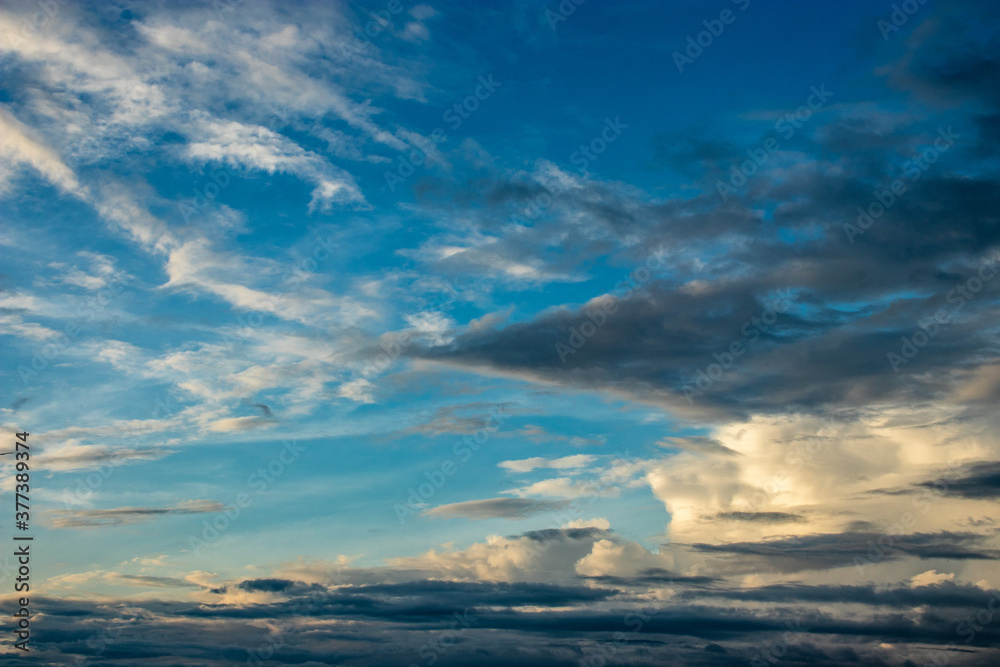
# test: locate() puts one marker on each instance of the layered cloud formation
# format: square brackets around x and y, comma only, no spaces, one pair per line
[412,334]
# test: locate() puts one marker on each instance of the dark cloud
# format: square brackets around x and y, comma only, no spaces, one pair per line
[127,515]
[550,534]
[947,594]
[264,409]
[854,302]
[393,624]
[979,480]
[104,456]
[495,508]
[655,576]
[283,586]
[463,419]
[761,517]
[833,550]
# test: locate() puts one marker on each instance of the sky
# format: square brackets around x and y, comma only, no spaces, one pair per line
[537,333]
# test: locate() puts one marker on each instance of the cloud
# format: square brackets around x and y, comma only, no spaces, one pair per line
[765,517]
[539,555]
[836,550]
[74,456]
[931,578]
[620,559]
[254,147]
[127,515]
[359,391]
[462,419]
[398,618]
[773,470]
[18,148]
[564,487]
[537,462]
[976,480]
[237,424]
[494,508]
[600,523]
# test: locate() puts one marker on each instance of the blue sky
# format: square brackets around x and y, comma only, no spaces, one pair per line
[554,312]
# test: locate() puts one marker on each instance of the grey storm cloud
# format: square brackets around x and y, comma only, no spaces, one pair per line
[833,550]
[826,352]
[390,624]
[979,480]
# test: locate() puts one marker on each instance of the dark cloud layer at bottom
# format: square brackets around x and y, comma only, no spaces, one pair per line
[452,623]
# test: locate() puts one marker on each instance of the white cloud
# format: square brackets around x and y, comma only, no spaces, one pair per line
[930,578]
[537,462]
[254,147]
[359,391]
[601,523]
[620,559]
[564,487]
[17,147]
[237,424]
